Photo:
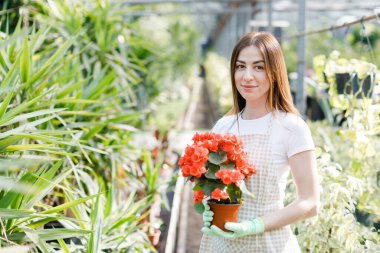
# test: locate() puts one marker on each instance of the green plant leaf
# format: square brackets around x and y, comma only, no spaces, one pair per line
[6,213]
[234,193]
[11,76]
[211,170]
[228,166]
[209,186]
[199,208]
[217,157]
[26,116]
[97,225]
[5,103]
[25,61]
[70,204]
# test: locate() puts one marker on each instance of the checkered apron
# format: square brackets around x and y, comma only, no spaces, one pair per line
[269,196]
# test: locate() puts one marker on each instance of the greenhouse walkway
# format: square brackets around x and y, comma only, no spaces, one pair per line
[200,117]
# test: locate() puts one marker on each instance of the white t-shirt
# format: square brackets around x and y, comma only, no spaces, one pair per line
[289,134]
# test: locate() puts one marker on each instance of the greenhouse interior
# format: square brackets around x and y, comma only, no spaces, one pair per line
[102,100]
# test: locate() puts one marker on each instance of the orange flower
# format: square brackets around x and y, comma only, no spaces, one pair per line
[198,196]
[202,163]
[197,171]
[200,155]
[229,176]
[219,194]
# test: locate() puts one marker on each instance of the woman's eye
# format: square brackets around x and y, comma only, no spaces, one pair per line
[259,67]
[239,66]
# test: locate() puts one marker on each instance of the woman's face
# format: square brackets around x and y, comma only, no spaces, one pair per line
[251,77]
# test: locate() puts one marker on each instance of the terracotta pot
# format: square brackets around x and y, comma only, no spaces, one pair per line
[224,213]
[154,237]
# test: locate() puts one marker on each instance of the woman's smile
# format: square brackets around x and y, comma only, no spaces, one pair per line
[249,87]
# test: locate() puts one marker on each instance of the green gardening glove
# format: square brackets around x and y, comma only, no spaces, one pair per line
[207,215]
[238,229]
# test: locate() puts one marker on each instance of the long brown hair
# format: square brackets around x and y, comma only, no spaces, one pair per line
[279,96]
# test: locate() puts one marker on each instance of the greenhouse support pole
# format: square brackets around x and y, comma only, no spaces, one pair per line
[300,97]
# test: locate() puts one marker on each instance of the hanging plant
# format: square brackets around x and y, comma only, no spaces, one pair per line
[345,76]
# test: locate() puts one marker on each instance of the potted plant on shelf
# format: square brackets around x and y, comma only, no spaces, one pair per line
[365,78]
[218,166]
[345,76]
[339,72]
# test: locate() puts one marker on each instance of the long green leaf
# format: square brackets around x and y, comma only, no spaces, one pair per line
[9,141]
[12,40]
[132,207]
[11,76]
[25,127]
[26,116]
[61,153]
[3,64]
[13,164]
[97,225]
[45,184]
[79,211]
[60,233]
[20,108]
[68,205]
[50,62]
[12,186]
[82,113]
[5,103]
[14,213]
[69,88]
[37,158]
[36,239]
[64,246]
[25,61]
[13,148]
[70,100]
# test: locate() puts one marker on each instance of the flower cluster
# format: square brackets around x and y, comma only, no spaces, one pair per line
[217,163]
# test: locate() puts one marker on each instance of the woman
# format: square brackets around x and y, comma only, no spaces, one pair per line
[276,140]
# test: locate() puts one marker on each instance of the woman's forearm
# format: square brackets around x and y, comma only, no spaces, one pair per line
[303,167]
[299,209]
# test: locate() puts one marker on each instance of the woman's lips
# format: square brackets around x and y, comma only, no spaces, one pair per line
[249,86]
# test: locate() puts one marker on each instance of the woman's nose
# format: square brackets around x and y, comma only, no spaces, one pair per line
[248,74]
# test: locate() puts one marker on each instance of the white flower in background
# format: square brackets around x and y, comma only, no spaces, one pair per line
[363,68]
[338,65]
[334,55]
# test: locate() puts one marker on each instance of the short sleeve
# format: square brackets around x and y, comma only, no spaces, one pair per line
[222,125]
[218,126]
[300,138]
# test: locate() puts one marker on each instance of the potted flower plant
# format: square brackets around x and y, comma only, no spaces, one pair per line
[218,166]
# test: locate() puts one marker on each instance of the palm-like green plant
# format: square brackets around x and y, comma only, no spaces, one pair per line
[45,117]
[68,110]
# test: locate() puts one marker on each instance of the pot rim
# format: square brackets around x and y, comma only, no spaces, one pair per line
[221,204]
